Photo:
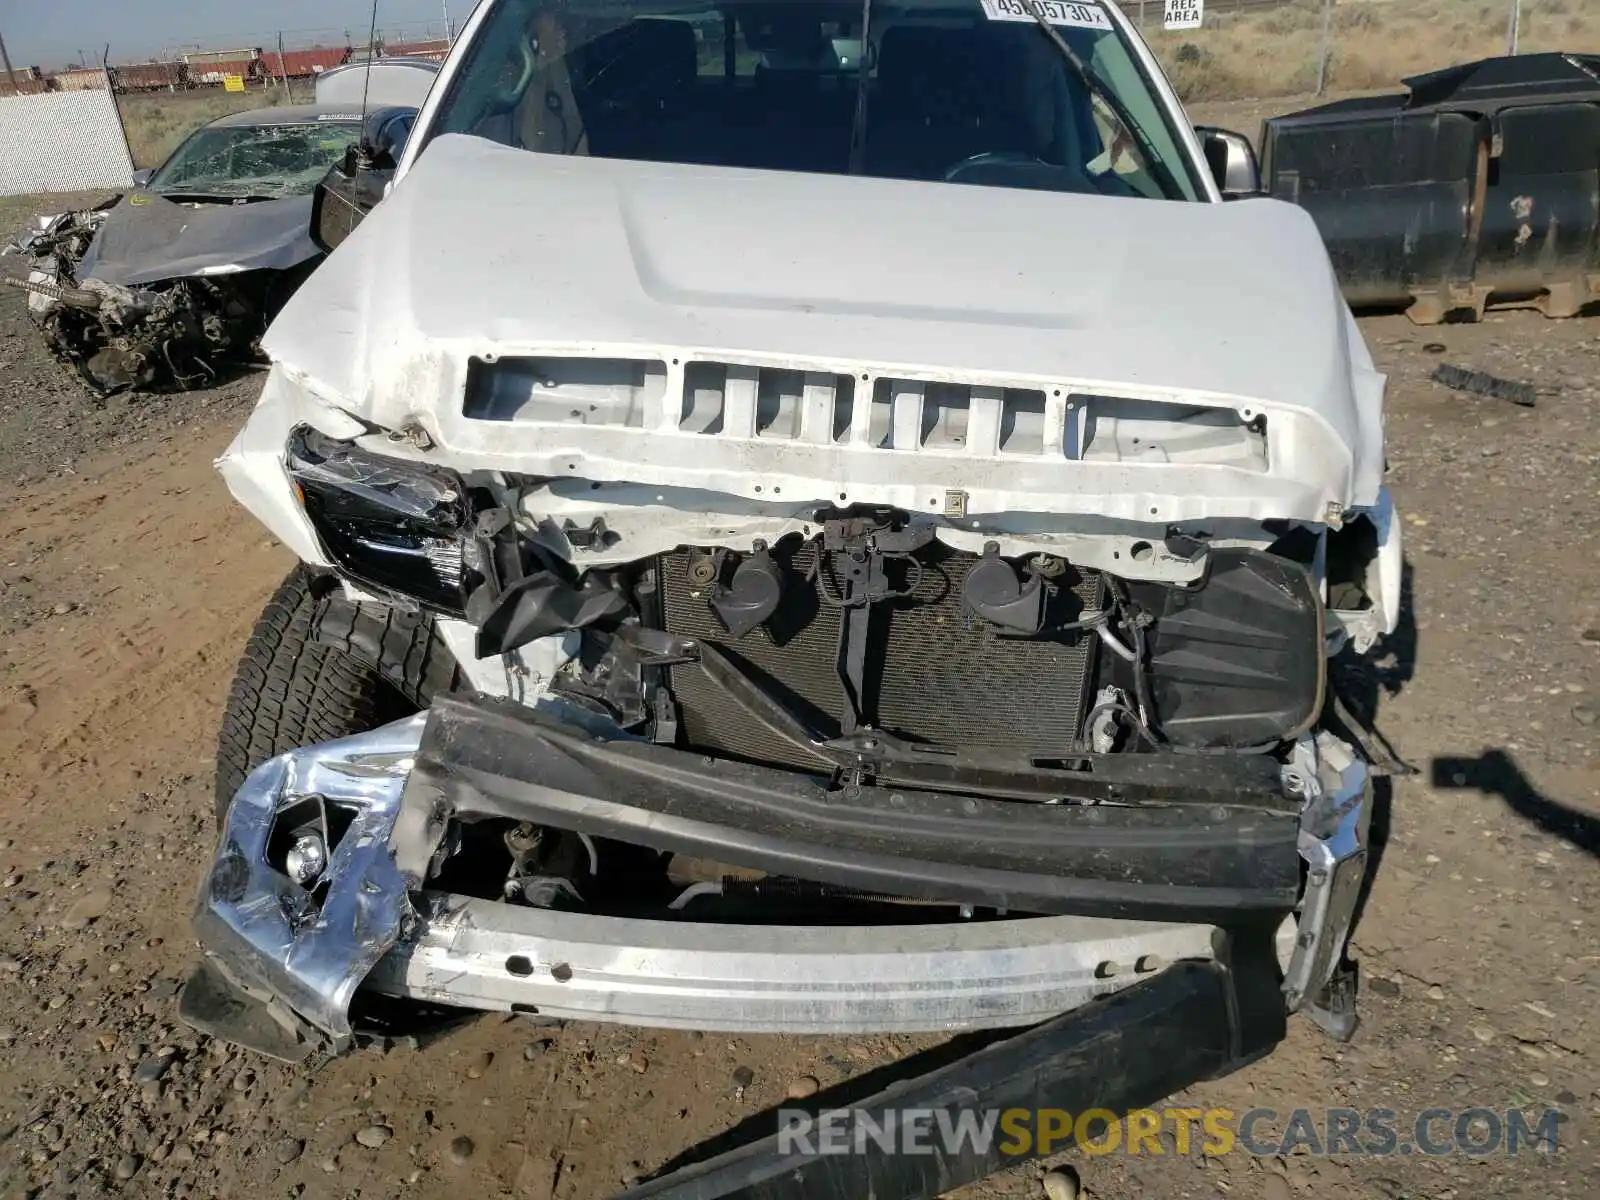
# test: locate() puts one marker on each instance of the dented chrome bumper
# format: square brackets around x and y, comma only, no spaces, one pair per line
[266,934]
[295,958]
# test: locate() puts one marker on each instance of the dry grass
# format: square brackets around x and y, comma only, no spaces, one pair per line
[1376,43]
[157,122]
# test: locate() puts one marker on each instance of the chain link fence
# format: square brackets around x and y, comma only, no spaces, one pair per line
[62,142]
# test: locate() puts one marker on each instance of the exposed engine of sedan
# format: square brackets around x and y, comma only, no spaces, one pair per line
[171,286]
[170,335]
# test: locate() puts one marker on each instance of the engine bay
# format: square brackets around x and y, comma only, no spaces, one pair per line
[858,641]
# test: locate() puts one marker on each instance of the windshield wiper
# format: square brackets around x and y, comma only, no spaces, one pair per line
[858,123]
[1091,81]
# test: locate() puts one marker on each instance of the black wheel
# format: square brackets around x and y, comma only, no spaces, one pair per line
[319,667]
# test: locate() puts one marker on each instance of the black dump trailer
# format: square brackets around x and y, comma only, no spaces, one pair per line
[1480,185]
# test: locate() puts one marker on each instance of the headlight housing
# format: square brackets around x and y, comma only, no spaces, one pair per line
[393,525]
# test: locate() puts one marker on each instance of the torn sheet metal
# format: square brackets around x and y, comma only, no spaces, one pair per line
[308,949]
[305,950]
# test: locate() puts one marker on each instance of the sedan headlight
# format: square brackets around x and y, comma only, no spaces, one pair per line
[395,525]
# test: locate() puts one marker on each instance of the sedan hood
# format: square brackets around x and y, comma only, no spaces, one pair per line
[149,239]
[486,252]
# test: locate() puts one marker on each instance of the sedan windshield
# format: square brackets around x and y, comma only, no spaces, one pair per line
[256,160]
[964,91]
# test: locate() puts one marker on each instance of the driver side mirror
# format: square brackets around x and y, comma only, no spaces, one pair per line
[347,193]
[143,176]
[1232,160]
[354,186]
[385,132]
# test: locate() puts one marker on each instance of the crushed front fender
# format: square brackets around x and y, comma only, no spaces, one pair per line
[284,959]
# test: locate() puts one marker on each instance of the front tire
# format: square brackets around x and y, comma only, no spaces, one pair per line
[319,667]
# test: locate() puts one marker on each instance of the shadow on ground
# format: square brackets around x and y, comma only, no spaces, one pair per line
[1362,683]
[1495,772]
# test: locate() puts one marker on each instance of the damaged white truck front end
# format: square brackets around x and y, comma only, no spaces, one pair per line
[871,603]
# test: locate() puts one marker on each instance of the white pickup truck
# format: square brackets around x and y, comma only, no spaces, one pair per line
[815,517]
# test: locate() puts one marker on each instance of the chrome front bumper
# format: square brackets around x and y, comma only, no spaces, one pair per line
[379,931]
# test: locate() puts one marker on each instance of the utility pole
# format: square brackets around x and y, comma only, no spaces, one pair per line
[1512,27]
[5,55]
[1326,50]
[283,71]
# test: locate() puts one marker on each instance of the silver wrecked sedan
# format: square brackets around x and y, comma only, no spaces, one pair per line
[171,285]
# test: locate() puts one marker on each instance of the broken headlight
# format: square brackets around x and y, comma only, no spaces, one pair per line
[395,525]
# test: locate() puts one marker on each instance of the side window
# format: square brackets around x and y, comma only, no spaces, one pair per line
[711,40]
[397,132]
[1112,62]
[722,50]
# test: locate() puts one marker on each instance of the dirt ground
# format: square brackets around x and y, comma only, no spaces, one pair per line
[129,580]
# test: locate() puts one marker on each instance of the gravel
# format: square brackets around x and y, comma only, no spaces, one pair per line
[152,1069]
[1061,1184]
[87,908]
[374,1136]
[803,1087]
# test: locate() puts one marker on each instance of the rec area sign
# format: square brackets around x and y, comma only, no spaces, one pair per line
[1183,14]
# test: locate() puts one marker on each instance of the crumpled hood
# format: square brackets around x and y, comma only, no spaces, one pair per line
[149,239]
[487,250]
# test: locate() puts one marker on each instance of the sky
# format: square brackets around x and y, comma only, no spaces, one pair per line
[51,33]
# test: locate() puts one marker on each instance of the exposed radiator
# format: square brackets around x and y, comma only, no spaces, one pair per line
[935,673]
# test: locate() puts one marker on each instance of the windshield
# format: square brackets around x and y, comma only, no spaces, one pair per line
[966,91]
[256,160]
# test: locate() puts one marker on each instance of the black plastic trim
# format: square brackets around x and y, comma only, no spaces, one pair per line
[1192,1022]
[1185,861]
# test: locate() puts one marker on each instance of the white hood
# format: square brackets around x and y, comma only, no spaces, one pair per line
[488,251]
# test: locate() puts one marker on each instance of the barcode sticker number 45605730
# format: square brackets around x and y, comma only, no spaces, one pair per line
[1058,12]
